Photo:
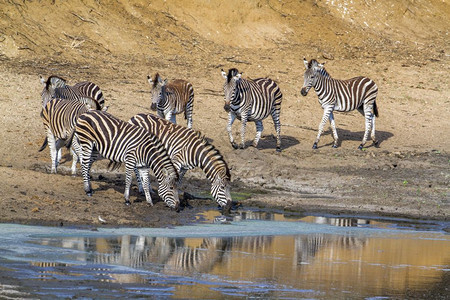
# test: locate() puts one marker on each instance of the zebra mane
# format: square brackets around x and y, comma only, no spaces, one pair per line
[313,63]
[52,79]
[214,152]
[231,73]
[155,79]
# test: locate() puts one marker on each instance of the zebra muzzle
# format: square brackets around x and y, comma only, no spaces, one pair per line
[227,107]
[153,106]
[304,92]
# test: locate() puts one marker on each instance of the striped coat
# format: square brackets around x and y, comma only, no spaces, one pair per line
[120,142]
[59,117]
[251,100]
[188,150]
[172,98]
[358,93]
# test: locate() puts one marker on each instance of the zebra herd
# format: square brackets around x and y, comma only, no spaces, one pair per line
[75,117]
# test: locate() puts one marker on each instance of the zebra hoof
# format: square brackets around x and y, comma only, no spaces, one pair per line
[334,146]
[234,145]
[278,149]
[376,143]
[314,146]
[127,202]
[89,194]
[360,147]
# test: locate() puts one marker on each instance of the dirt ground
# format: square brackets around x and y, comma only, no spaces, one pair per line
[404,47]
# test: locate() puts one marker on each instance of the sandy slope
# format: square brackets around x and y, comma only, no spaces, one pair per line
[404,48]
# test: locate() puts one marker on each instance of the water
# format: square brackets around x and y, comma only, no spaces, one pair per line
[253,255]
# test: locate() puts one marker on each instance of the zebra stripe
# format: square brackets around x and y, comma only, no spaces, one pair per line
[201,259]
[59,117]
[172,98]
[86,92]
[121,142]
[188,150]
[358,93]
[251,100]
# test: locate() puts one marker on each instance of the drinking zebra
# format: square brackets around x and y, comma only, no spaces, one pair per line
[120,142]
[251,100]
[172,98]
[188,150]
[341,95]
[59,117]
[56,87]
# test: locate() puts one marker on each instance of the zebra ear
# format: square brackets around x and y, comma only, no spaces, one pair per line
[320,65]
[149,79]
[42,80]
[224,75]
[305,62]
[164,82]
[238,76]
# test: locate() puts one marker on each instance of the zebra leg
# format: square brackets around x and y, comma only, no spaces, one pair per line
[74,161]
[369,121]
[130,165]
[169,116]
[139,181]
[143,173]
[188,112]
[243,128]
[259,129]
[59,153]
[277,124]
[173,118]
[375,142]
[333,128]
[53,151]
[231,118]
[86,161]
[326,114]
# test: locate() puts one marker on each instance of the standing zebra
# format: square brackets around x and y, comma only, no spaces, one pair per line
[172,98]
[59,117]
[251,100]
[120,142]
[188,150]
[341,95]
[56,87]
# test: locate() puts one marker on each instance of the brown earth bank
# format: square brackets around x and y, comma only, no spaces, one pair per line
[402,45]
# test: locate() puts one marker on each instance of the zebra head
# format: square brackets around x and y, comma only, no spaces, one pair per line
[167,188]
[49,86]
[158,88]
[232,79]
[310,77]
[220,190]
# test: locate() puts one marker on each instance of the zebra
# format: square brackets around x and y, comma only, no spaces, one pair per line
[201,259]
[251,100]
[56,87]
[59,117]
[101,133]
[188,150]
[172,98]
[341,95]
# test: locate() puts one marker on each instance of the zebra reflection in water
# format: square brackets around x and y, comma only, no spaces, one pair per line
[308,246]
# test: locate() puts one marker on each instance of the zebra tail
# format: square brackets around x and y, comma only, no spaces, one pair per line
[375,109]
[43,145]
